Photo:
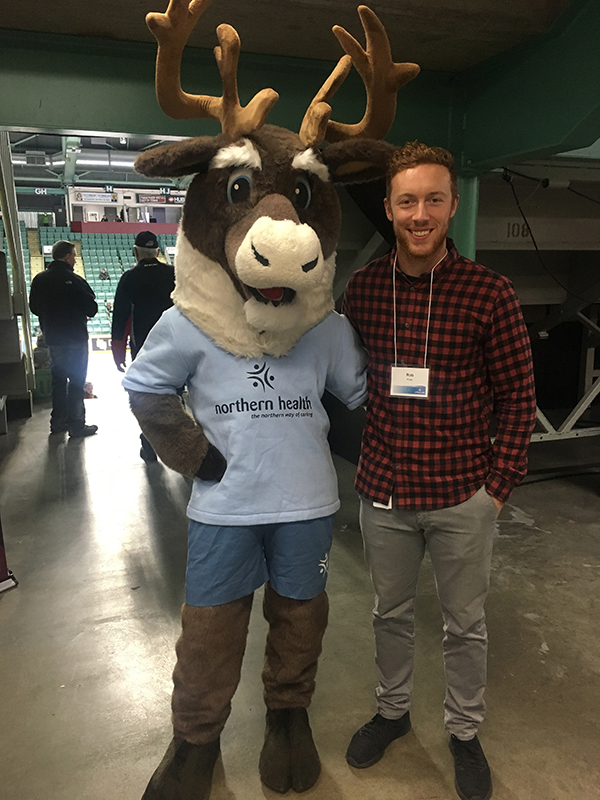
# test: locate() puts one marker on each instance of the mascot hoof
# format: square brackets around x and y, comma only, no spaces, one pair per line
[275,764]
[289,758]
[185,773]
[306,764]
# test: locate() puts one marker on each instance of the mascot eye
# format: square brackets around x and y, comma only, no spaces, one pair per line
[239,187]
[302,193]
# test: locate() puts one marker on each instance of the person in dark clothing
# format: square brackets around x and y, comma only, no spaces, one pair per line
[63,301]
[143,293]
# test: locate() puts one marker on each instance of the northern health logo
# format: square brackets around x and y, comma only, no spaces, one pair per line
[260,375]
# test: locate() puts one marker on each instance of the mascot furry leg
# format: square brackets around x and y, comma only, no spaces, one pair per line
[289,759]
[209,661]
[210,651]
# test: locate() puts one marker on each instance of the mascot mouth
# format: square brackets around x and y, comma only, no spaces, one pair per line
[275,295]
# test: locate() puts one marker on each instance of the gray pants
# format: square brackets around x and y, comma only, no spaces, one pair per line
[460,546]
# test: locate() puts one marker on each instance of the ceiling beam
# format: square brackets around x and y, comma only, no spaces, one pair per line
[22,141]
[78,83]
[532,101]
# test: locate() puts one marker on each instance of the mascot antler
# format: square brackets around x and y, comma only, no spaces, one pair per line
[381,76]
[172,30]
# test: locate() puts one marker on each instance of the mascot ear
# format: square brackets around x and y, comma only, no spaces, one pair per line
[357,160]
[180,158]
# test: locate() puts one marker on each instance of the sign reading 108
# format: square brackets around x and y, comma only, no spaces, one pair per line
[517,230]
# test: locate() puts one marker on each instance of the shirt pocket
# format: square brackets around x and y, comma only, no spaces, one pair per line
[456,342]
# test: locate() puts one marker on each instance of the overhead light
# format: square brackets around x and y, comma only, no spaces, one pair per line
[86,162]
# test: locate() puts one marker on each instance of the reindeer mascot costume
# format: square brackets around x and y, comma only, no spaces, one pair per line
[254,337]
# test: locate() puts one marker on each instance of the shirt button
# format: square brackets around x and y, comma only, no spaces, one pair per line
[412,288]
[407,324]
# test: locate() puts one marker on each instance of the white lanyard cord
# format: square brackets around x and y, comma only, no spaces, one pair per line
[428,310]
[395,326]
[428,317]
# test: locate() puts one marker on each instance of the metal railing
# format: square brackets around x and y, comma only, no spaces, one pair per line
[8,203]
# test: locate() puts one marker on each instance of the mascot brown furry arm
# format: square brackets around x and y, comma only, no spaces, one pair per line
[254,337]
[176,436]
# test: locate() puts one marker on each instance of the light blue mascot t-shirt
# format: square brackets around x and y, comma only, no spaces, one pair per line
[265,415]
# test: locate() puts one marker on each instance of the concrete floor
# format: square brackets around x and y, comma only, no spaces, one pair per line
[97,541]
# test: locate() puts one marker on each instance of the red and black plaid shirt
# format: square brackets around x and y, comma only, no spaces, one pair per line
[436,452]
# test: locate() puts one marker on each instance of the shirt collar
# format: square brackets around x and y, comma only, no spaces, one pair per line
[60,264]
[148,262]
[449,260]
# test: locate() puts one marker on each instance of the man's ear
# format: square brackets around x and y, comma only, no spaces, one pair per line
[357,160]
[454,205]
[388,209]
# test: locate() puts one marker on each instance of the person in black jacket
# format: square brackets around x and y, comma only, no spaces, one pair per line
[63,301]
[143,293]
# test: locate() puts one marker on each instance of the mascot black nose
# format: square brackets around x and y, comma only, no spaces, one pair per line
[311,265]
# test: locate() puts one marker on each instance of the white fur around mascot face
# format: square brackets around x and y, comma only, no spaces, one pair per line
[255,256]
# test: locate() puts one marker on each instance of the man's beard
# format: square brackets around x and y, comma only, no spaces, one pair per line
[406,246]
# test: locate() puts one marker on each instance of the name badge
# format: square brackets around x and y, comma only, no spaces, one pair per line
[410,382]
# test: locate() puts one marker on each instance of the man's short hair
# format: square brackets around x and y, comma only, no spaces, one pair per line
[412,154]
[146,252]
[62,249]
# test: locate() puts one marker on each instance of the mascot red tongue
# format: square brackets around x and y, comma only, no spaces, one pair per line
[254,337]
[272,294]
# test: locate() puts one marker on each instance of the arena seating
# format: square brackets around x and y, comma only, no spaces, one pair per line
[112,252]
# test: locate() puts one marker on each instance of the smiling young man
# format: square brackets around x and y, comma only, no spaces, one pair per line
[447,346]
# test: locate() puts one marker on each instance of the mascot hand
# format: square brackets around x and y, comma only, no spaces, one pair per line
[214,465]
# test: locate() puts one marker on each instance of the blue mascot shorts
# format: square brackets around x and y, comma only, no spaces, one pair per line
[228,562]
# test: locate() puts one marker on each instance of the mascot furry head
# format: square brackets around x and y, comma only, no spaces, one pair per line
[256,250]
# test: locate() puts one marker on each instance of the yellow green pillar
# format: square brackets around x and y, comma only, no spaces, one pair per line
[463,226]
